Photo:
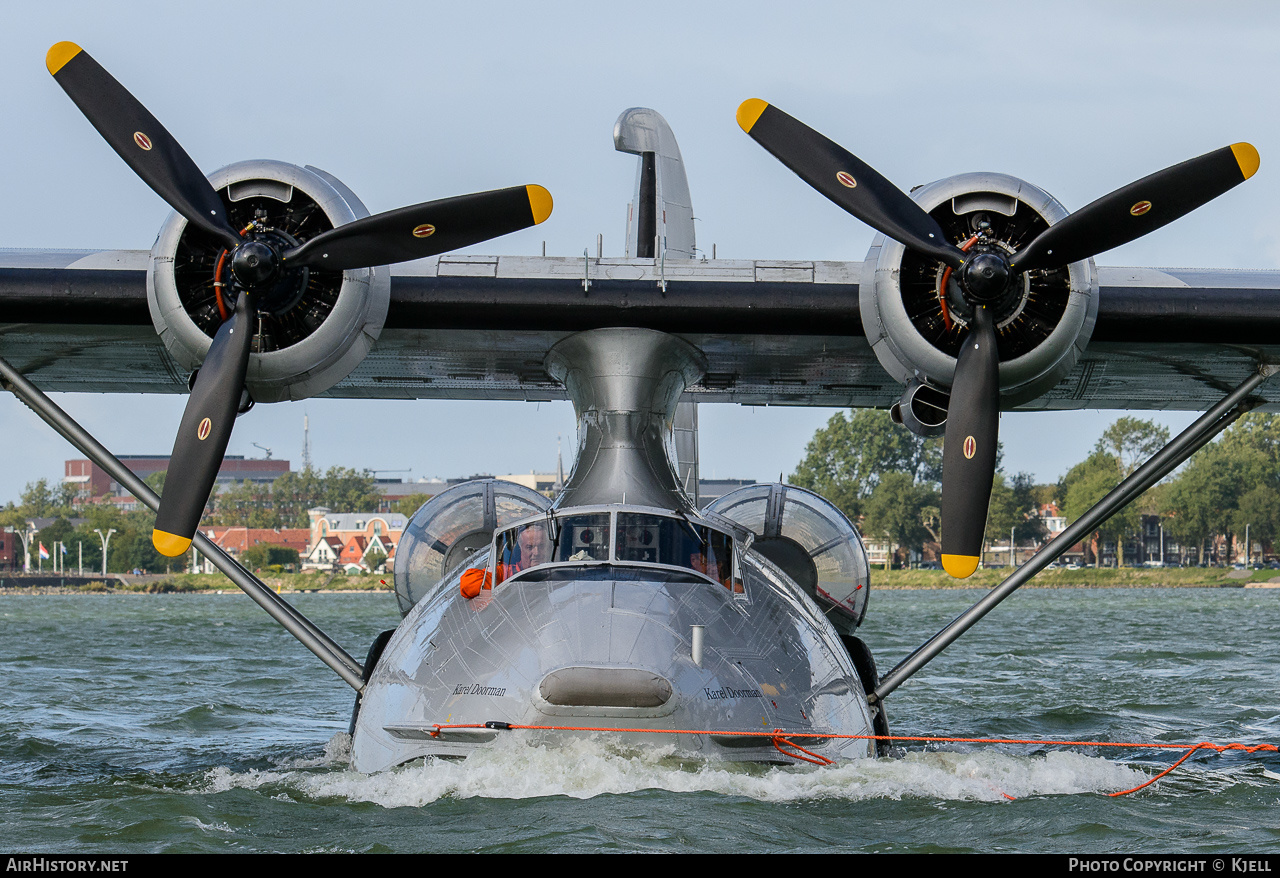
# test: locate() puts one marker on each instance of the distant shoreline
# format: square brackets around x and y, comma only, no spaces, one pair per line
[1106,577]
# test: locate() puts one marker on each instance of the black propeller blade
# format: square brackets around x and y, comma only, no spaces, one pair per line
[1131,211]
[845,179]
[985,276]
[256,261]
[139,139]
[426,229]
[969,447]
[204,431]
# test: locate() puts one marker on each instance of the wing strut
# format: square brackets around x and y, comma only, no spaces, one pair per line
[1159,465]
[293,621]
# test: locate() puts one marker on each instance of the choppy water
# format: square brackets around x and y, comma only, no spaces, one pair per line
[191,723]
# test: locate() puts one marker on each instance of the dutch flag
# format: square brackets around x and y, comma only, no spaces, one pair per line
[44,553]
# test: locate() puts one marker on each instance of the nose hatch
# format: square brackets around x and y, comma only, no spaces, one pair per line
[605,687]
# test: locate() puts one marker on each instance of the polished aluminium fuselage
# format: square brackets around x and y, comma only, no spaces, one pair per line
[533,649]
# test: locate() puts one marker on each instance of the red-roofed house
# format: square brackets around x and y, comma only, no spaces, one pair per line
[323,554]
[352,555]
[378,534]
[234,540]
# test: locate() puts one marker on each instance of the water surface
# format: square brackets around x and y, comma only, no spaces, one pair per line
[192,723]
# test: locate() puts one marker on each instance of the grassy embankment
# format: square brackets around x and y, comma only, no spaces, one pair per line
[215,582]
[1125,577]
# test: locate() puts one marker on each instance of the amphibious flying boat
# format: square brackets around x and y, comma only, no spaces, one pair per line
[621,606]
[625,605]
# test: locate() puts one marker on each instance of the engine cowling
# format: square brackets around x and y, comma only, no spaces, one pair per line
[1042,325]
[316,325]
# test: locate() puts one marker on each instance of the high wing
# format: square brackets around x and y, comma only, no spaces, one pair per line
[774,333]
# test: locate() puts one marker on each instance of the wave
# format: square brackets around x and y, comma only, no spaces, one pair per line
[515,768]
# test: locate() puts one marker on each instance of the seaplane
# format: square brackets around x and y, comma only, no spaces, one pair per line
[626,606]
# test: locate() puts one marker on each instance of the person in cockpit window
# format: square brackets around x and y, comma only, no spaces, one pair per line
[707,563]
[531,549]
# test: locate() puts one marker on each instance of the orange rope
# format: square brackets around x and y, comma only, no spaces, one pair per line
[818,759]
[781,739]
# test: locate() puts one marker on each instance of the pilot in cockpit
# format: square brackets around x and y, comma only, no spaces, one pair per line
[702,562]
[532,549]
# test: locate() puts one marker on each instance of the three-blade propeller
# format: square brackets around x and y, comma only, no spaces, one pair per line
[422,230]
[985,276]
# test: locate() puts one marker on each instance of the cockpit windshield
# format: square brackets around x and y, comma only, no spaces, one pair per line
[552,540]
[655,539]
[623,537]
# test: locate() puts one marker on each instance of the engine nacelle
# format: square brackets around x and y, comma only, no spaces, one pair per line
[316,325]
[1042,326]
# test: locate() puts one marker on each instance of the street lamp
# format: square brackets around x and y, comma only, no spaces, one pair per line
[105,539]
[26,547]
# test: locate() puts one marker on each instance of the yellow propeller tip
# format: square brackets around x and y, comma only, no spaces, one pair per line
[59,54]
[169,545]
[539,202]
[749,111]
[1247,157]
[960,566]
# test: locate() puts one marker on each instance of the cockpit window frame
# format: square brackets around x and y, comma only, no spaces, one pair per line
[735,586]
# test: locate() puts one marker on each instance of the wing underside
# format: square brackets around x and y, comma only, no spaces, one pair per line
[774,333]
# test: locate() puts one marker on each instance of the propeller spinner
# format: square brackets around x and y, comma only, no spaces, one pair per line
[258,257]
[986,275]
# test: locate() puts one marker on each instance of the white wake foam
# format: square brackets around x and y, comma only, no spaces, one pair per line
[516,769]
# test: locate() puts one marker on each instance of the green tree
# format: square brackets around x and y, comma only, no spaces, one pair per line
[1258,513]
[340,488]
[55,531]
[39,499]
[247,504]
[1029,526]
[406,506]
[155,481]
[345,490]
[847,458]
[898,509]
[1131,441]
[292,494]
[1003,514]
[1223,489]
[1084,485]
[1256,433]
[263,555]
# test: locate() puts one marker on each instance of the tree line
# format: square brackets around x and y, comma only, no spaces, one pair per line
[888,480]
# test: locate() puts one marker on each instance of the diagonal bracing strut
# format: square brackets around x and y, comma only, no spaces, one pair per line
[277,607]
[1159,465]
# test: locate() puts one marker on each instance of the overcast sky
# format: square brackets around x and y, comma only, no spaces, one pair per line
[412,101]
